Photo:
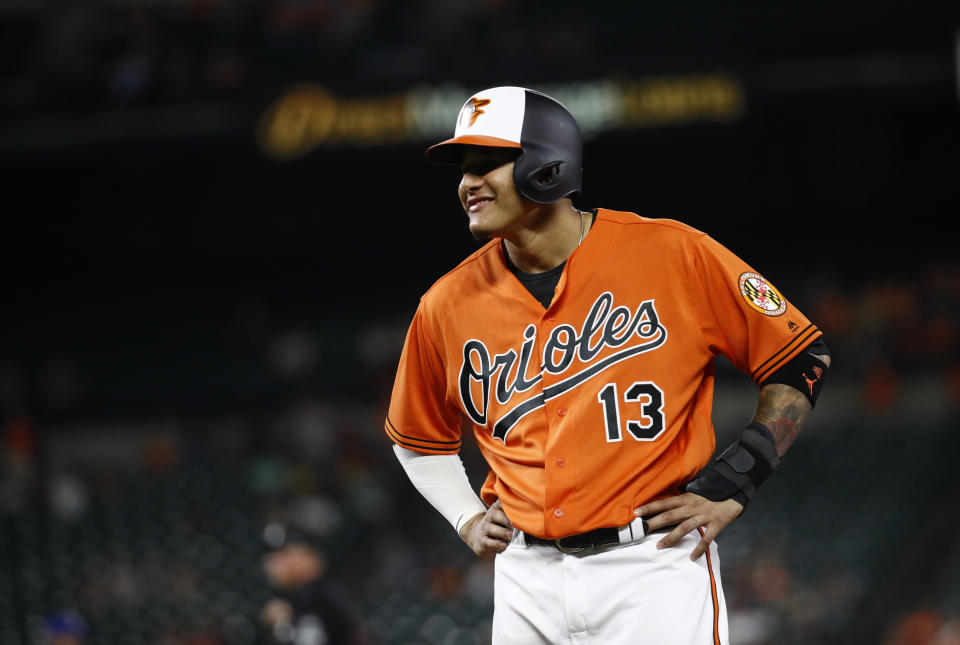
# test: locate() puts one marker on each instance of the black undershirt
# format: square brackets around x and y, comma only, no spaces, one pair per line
[540,285]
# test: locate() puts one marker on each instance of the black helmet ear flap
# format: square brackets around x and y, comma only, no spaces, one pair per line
[546,177]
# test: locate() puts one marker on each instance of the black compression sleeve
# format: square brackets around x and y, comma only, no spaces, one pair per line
[805,371]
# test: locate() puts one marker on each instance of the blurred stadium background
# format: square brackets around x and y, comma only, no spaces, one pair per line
[217,222]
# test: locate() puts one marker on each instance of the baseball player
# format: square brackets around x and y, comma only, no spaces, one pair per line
[579,347]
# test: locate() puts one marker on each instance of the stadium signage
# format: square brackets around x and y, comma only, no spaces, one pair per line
[309,116]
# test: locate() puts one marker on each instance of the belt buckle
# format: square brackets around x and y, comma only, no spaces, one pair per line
[568,549]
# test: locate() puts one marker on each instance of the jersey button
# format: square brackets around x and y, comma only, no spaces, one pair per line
[562,412]
[560,462]
[558,512]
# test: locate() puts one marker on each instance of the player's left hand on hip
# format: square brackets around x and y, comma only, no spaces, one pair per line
[688,512]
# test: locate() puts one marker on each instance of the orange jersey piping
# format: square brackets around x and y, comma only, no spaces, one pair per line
[420,445]
[714,596]
[784,354]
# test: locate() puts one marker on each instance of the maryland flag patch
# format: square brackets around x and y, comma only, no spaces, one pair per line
[761,295]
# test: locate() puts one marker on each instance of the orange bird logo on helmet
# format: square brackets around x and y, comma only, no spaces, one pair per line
[472,108]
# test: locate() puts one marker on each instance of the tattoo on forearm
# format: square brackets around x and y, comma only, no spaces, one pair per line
[782,409]
[784,432]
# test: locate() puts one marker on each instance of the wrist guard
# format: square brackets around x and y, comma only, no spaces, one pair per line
[740,469]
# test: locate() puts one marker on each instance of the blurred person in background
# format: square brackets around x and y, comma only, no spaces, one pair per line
[65,627]
[309,608]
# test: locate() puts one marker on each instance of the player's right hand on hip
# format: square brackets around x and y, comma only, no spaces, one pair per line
[488,533]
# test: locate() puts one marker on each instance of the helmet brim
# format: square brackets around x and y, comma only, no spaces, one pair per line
[451,150]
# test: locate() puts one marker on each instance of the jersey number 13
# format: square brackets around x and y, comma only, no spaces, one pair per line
[650,398]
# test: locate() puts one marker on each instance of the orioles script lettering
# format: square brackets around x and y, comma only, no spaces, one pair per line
[632,332]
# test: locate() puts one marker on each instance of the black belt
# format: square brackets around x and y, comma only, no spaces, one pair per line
[577,543]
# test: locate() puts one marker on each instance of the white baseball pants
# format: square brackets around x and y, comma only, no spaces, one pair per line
[632,594]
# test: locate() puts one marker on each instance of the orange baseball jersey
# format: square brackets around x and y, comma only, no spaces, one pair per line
[603,401]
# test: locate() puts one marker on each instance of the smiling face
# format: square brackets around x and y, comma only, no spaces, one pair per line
[488,193]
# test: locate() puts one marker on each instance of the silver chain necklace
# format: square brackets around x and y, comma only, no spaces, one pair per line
[581,226]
